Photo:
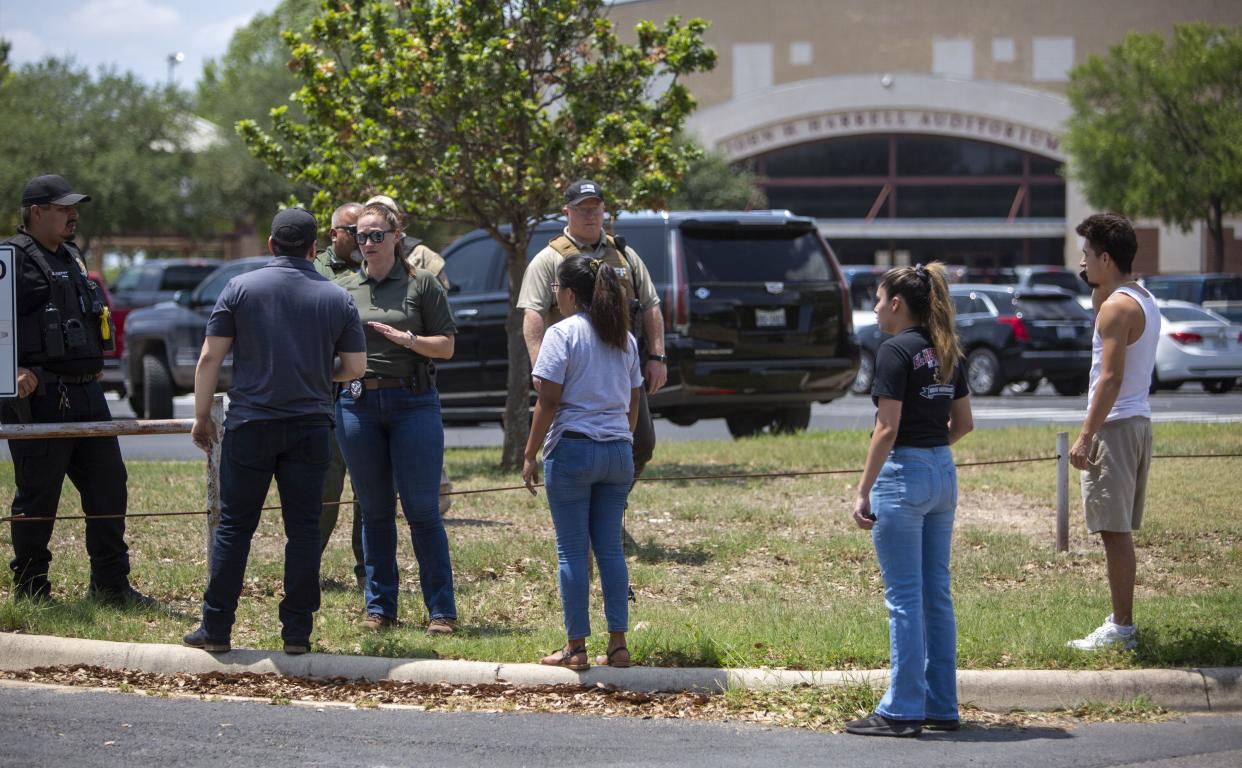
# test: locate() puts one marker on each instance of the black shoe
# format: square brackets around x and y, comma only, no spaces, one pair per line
[297,648]
[37,592]
[127,597]
[199,639]
[879,725]
[932,724]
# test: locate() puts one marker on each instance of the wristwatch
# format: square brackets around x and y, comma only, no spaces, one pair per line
[658,358]
[413,338]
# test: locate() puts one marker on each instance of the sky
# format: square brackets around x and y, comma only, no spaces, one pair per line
[130,35]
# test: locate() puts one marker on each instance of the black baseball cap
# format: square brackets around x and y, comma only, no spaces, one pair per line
[53,190]
[294,228]
[582,189]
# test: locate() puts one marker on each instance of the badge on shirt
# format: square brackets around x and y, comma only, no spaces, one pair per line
[355,389]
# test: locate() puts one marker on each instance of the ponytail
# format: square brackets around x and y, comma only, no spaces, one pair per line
[597,289]
[925,290]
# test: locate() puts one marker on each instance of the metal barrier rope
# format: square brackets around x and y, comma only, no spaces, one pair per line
[738,476]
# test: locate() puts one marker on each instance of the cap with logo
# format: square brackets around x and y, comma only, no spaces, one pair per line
[51,190]
[293,228]
[583,189]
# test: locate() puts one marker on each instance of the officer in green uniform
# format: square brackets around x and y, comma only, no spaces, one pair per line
[63,329]
[584,234]
[338,262]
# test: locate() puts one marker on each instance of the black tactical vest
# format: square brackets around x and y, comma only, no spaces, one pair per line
[70,326]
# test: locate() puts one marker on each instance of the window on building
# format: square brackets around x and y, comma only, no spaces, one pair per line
[1051,59]
[953,57]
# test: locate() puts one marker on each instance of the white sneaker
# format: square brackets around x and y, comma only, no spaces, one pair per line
[1107,635]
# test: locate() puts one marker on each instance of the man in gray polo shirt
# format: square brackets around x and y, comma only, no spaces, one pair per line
[284,323]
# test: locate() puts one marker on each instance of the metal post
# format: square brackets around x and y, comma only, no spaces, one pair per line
[213,474]
[1063,491]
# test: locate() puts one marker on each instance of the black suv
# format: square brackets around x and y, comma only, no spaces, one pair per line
[1010,335]
[163,342]
[756,315]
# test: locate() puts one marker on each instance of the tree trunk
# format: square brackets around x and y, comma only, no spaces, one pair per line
[1217,228]
[517,401]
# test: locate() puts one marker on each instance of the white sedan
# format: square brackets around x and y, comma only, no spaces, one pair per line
[1196,345]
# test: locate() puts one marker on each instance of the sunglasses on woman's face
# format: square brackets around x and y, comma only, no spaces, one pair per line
[376,236]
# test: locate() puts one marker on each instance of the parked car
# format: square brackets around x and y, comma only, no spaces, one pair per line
[1221,293]
[862,280]
[113,379]
[1196,344]
[150,282]
[757,320]
[1009,335]
[164,341]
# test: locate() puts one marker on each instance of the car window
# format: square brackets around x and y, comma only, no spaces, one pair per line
[127,280]
[969,305]
[209,290]
[1067,280]
[649,243]
[1051,308]
[185,277]
[1223,289]
[1188,315]
[754,254]
[475,267]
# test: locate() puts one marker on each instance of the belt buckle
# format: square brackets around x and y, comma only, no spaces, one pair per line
[355,389]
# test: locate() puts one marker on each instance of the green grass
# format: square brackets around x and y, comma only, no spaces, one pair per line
[739,572]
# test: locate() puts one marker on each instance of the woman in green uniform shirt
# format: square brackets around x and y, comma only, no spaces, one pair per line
[388,422]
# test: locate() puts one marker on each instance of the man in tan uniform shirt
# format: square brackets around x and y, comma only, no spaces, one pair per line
[584,234]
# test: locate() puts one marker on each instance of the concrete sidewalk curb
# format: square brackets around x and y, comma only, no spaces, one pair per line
[1184,690]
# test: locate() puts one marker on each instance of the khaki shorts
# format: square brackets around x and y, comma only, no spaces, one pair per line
[1115,482]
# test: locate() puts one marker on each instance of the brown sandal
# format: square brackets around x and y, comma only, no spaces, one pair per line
[608,661]
[565,657]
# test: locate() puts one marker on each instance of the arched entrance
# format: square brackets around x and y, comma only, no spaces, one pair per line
[908,167]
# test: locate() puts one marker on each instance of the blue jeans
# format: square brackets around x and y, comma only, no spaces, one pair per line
[396,433]
[914,500]
[587,484]
[296,451]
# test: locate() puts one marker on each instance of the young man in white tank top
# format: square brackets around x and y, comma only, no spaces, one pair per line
[1113,450]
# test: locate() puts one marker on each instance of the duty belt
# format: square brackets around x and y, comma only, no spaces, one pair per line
[423,380]
[56,378]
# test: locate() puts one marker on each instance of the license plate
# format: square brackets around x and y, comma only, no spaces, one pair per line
[1066,332]
[769,318]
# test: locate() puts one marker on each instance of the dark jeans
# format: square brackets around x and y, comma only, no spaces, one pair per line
[333,487]
[295,451]
[92,464]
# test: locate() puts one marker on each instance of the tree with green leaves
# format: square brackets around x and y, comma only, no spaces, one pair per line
[246,83]
[711,183]
[480,113]
[118,139]
[1156,129]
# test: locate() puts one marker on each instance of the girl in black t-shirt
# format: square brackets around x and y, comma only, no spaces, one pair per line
[908,496]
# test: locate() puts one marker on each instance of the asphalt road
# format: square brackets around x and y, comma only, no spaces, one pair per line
[850,412]
[57,726]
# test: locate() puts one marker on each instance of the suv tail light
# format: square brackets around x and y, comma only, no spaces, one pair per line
[677,302]
[1186,337]
[1020,334]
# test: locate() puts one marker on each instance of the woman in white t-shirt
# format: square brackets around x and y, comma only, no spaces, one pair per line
[588,381]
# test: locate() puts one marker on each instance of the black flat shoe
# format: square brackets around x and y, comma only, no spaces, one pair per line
[932,724]
[879,725]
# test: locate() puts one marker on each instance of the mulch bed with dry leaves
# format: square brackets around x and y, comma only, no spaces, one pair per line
[797,708]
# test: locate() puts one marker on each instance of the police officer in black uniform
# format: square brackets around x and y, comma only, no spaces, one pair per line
[63,329]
